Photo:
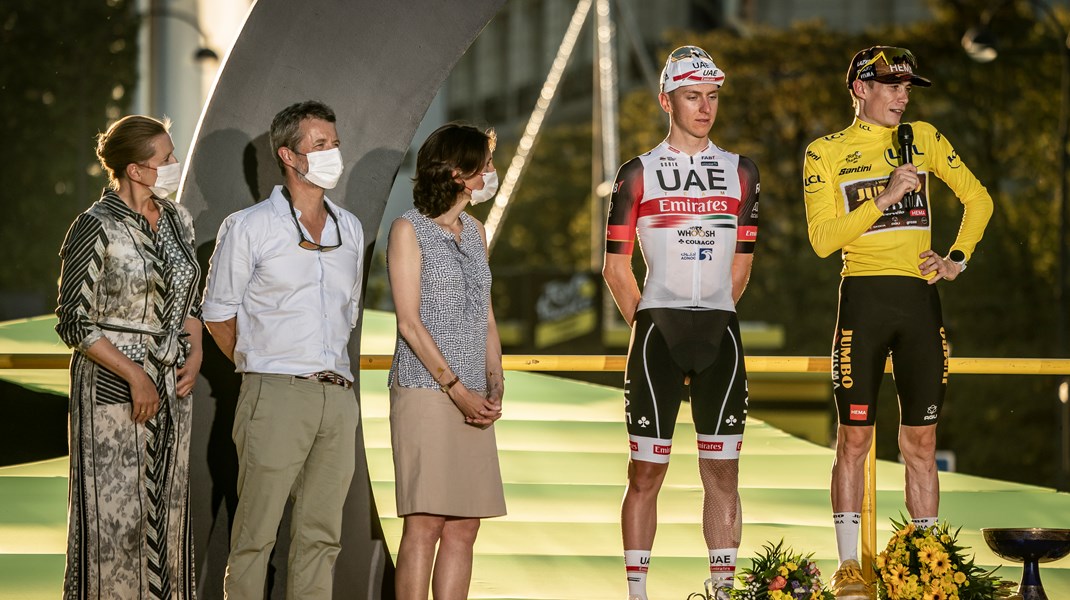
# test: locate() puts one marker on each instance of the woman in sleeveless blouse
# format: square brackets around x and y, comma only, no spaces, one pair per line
[446,383]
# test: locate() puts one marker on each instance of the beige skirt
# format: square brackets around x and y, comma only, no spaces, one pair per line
[442,466]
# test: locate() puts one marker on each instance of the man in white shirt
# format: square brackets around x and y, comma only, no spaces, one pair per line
[281,299]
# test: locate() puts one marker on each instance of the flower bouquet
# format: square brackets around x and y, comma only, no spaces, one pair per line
[778,573]
[928,564]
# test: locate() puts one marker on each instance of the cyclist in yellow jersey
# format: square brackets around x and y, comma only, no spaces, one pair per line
[865,199]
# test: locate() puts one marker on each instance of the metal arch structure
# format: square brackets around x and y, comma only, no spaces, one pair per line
[378,65]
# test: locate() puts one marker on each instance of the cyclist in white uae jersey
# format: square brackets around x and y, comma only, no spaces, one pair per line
[692,215]
[694,207]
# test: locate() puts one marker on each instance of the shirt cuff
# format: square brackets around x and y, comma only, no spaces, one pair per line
[217,313]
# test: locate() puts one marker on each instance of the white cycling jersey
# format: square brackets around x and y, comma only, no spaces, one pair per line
[692,214]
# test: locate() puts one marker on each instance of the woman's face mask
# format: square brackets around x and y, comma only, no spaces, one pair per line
[490,187]
[167,179]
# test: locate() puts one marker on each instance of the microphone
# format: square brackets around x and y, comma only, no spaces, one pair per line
[906,142]
[905,134]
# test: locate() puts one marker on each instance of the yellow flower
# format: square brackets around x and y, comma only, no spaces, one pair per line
[960,577]
[881,561]
[910,588]
[934,594]
[791,566]
[939,564]
[783,571]
[945,538]
[925,554]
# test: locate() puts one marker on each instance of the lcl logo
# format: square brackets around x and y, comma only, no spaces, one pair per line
[893,159]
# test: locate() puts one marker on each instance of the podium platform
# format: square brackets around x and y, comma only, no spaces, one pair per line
[563,453]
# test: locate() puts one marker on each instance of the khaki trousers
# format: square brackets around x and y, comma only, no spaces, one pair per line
[295,438]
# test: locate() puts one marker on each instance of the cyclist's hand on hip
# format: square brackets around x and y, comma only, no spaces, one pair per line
[942,268]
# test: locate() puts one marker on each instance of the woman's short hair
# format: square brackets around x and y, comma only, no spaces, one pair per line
[128,141]
[454,151]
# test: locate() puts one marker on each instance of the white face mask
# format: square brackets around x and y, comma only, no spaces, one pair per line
[490,187]
[324,168]
[167,179]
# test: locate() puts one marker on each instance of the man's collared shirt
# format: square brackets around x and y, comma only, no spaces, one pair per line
[295,308]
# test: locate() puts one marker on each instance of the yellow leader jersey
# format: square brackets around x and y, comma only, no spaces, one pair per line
[845,171]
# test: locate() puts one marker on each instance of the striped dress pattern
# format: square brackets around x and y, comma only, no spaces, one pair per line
[128,512]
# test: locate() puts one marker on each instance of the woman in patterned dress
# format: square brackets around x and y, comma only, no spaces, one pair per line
[446,382]
[126,306]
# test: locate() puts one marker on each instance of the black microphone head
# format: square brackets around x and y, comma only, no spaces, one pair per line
[905,134]
[906,142]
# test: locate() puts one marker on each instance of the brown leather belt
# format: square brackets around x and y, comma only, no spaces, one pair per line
[327,377]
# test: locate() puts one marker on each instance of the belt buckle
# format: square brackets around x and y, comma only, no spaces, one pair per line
[331,377]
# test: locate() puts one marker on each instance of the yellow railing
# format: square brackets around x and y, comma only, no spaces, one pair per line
[755,364]
[545,362]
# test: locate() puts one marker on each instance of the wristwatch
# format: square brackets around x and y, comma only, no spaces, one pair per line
[959,258]
[446,387]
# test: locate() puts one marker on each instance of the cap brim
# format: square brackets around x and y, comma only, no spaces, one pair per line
[913,79]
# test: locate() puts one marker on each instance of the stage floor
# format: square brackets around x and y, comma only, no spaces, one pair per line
[563,455]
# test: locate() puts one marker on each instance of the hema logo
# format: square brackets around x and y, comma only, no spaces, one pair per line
[859,412]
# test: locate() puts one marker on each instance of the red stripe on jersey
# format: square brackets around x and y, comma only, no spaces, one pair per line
[747,233]
[670,221]
[710,205]
[620,233]
[636,569]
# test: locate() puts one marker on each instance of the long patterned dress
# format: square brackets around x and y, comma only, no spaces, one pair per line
[128,530]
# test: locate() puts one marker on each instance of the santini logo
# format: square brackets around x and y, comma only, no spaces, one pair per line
[858,169]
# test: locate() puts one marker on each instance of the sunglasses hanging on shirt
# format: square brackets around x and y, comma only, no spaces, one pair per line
[303,241]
